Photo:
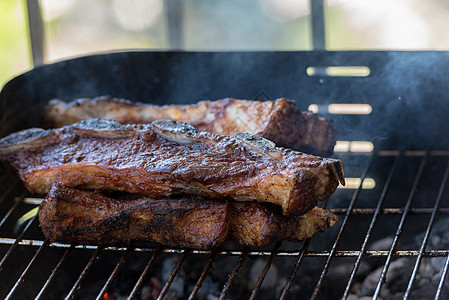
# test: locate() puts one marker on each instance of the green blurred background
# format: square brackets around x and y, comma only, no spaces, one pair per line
[14,46]
[81,27]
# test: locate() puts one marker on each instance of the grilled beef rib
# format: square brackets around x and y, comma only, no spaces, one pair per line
[166,158]
[279,121]
[75,216]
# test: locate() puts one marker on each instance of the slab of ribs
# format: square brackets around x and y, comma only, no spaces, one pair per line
[279,121]
[176,185]
[85,217]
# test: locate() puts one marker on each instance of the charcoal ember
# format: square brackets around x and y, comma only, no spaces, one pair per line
[356,297]
[271,278]
[338,275]
[151,290]
[427,280]
[177,287]
[438,262]
[212,284]
[382,244]
[439,238]
[400,270]
[210,289]
[397,278]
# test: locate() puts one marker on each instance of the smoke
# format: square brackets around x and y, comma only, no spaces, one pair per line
[417,108]
[407,90]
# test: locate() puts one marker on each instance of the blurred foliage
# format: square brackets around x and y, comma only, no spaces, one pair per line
[241,25]
[339,36]
[297,35]
[81,27]
[84,27]
[14,54]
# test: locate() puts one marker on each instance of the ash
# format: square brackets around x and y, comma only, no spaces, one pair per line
[303,284]
[400,270]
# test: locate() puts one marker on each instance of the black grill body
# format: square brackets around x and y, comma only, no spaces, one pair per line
[408,93]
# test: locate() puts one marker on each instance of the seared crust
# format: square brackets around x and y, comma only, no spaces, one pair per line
[254,224]
[278,120]
[165,158]
[74,216]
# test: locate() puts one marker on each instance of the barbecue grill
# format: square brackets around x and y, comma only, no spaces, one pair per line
[392,143]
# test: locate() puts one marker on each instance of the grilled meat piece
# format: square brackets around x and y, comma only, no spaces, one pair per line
[254,224]
[70,215]
[165,158]
[279,121]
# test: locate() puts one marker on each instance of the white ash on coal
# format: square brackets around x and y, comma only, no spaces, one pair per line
[400,270]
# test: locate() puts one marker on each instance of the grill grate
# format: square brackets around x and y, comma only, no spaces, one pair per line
[425,175]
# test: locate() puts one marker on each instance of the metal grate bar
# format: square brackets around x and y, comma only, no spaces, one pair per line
[203,275]
[16,242]
[84,272]
[33,200]
[342,227]
[399,230]
[301,255]
[227,285]
[172,275]
[265,271]
[324,253]
[295,269]
[22,276]
[8,190]
[427,234]
[338,211]
[371,253]
[388,211]
[442,279]
[371,226]
[16,203]
[52,275]
[114,273]
[139,282]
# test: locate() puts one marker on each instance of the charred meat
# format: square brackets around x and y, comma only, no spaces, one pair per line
[279,121]
[254,224]
[70,215]
[165,158]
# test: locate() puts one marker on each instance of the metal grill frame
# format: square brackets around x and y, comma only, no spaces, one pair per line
[276,251]
[345,213]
